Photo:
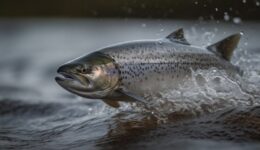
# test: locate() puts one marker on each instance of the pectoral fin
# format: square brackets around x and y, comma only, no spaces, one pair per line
[129,96]
[111,103]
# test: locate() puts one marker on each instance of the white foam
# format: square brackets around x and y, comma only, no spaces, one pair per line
[207,91]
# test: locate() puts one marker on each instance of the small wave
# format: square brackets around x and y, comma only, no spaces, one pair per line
[21,108]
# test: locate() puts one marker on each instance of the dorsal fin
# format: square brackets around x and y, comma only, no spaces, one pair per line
[225,47]
[178,36]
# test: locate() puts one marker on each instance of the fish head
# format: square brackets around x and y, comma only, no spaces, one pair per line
[92,76]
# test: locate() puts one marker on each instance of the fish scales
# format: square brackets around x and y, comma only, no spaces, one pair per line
[159,62]
[128,71]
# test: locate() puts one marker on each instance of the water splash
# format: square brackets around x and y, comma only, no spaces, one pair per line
[207,91]
[208,36]
[212,90]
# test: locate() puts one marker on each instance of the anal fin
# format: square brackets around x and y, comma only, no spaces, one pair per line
[111,103]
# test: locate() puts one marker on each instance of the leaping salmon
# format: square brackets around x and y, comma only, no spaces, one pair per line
[125,72]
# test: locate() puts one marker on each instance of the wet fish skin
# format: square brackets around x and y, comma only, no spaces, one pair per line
[125,72]
[154,65]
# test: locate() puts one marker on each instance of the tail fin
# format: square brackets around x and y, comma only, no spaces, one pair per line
[225,47]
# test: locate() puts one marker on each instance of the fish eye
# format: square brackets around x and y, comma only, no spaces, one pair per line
[87,70]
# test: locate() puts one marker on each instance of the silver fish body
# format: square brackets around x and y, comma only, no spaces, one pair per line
[132,69]
[155,65]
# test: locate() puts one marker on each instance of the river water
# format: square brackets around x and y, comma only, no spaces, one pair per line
[35,113]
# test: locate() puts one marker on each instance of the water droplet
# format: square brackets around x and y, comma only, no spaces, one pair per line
[237,20]
[216,9]
[244,1]
[226,16]
[196,2]
[162,30]
[257,3]
[208,36]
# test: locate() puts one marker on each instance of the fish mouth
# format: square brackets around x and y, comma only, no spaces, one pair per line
[72,82]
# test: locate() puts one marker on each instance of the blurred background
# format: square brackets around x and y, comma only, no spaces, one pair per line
[162,9]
